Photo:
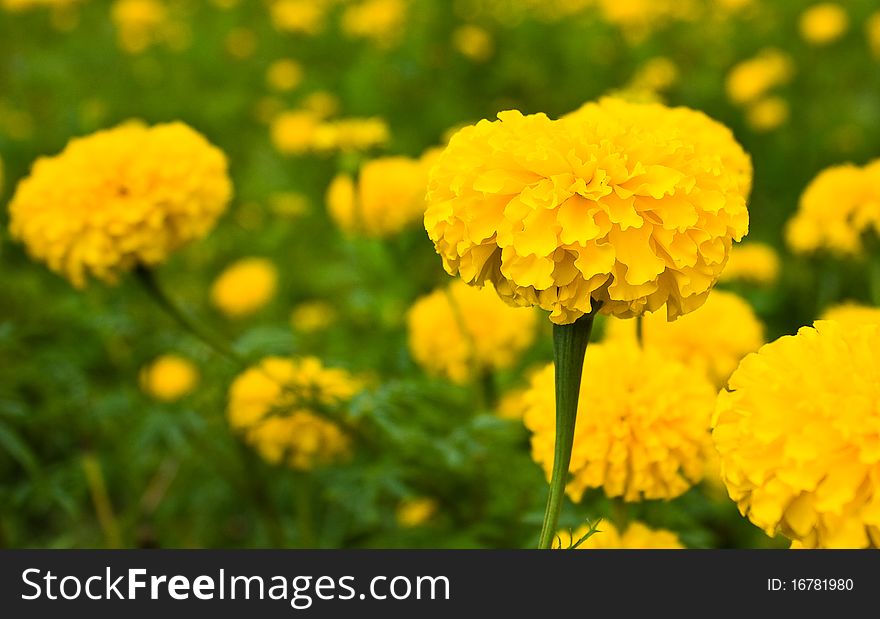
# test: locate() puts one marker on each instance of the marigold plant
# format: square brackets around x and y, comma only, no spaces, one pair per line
[636,536]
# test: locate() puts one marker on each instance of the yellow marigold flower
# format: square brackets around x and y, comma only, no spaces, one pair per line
[169,378]
[312,316]
[120,198]
[752,262]
[838,206]
[767,114]
[852,314]
[823,23]
[656,75]
[872,31]
[749,80]
[245,287]
[642,427]
[281,407]
[293,132]
[284,75]
[797,434]
[351,134]
[473,42]
[637,536]
[631,205]
[388,196]
[299,16]
[460,332]
[712,339]
[380,21]
[138,23]
[415,512]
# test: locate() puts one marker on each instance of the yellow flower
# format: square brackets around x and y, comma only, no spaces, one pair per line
[838,206]
[631,205]
[299,16]
[380,21]
[656,75]
[351,134]
[312,316]
[321,103]
[460,332]
[473,42]
[637,536]
[798,436]
[138,23]
[389,195]
[749,80]
[752,262]
[284,75]
[767,114]
[281,408]
[852,314]
[293,132]
[823,23]
[712,339]
[872,31]
[415,512]
[169,378]
[120,198]
[642,427]
[245,287]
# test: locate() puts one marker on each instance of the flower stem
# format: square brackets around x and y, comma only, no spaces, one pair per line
[569,347]
[147,279]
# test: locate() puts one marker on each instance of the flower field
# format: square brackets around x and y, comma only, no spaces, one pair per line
[320,273]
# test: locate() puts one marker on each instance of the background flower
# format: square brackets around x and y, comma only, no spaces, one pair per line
[637,536]
[169,377]
[245,287]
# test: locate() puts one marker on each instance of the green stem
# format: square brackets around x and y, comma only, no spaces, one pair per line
[147,279]
[569,347]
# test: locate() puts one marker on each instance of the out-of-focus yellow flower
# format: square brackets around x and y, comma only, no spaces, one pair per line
[712,339]
[241,43]
[823,23]
[284,75]
[312,316]
[631,205]
[838,206]
[415,512]
[321,103]
[767,114]
[299,16]
[656,75]
[293,132]
[638,18]
[460,332]
[872,31]
[380,21]
[169,378]
[749,80]
[637,536]
[642,427]
[473,42]
[388,196]
[282,406]
[139,23]
[798,438]
[852,314]
[351,134]
[245,287]
[752,262]
[120,198]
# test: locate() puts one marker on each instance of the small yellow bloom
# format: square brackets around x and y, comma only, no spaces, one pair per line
[752,262]
[282,407]
[245,287]
[473,42]
[656,75]
[351,134]
[823,23]
[120,198]
[416,512]
[169,378]
[461,332]
[380,21]
[853,314]
[293,132]
[767,114]
[749,80]
[321,103]
[312,316]
[299,16]
[138,23]
[637,536]
[284,75]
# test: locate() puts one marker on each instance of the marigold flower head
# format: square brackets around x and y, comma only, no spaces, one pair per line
[282,408]
[293,132]
[169,378]
[656,75]
[852,314]
[752,262]
[415,512]
[767,114]
[823,23]
[642,427]
[312,316]
[749,80]
[460,332]
[712,339]
[638,536]
[245,287]
[299,16]
[389,195]
[120,198]
[139,23]
[351,134]
[630,205]
[798,436]
[836,209]
[284,74]
[473,42]
[380,21]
